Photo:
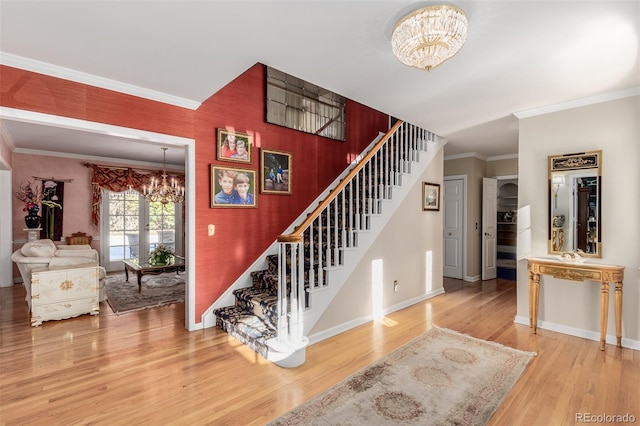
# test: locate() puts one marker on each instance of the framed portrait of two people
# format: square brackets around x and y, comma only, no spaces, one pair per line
[275,167]
[231,187]
[234,146]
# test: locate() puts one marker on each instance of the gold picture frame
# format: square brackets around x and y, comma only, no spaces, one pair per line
[430,196]
[275,169]
[232,187]
[234,146]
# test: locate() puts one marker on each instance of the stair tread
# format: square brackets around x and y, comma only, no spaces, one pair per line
[247,328]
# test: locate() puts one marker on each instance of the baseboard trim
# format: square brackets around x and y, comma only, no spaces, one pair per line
[578,332]
[334,331]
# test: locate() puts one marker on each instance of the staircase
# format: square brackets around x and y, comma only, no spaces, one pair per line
[285,299]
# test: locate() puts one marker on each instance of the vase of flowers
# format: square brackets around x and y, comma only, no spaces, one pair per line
[31,196]
[161,255]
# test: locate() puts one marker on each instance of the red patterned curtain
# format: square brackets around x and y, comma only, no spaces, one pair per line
[119,180]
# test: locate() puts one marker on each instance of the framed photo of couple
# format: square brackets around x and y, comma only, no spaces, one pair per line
[276,172]
[232,187]
[234,146]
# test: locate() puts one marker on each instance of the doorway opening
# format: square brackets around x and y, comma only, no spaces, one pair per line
[132,227]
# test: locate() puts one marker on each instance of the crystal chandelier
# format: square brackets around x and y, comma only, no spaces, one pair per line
[429,36]
[163,191]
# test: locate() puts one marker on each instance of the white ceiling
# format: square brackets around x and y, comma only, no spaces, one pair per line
[519,56]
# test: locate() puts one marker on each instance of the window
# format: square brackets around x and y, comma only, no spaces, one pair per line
[298,105]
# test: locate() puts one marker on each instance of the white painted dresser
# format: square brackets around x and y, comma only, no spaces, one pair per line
[63,293]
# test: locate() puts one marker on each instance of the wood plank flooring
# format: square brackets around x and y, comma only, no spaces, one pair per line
[145,368]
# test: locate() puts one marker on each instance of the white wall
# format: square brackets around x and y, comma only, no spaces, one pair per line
[613,127]
[402,247]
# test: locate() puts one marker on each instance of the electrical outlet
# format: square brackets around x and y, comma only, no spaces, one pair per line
[211,230]
[395,286]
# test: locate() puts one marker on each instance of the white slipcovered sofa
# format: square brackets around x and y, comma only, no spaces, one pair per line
[45,254]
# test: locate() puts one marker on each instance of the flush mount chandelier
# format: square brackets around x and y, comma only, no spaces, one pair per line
[164,191]
[429,36]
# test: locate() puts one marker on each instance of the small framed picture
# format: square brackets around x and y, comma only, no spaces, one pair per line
[232,187]
[430,196]
[234,146]
[275,167]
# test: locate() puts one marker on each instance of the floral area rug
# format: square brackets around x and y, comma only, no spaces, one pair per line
[440,378]
[157,290]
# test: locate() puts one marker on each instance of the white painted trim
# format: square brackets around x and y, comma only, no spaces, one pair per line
[6,229]
[93,80]
[635,91]
[467,155]
[505,177]
[579,332]
[341,328]
[502,157]
[160,138]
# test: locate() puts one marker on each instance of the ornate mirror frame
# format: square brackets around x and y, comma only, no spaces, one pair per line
[575,203]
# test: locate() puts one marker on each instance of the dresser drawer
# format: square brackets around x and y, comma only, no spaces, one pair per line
[64,310]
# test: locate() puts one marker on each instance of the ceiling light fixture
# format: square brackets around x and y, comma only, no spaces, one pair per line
[163,191]
[429,36]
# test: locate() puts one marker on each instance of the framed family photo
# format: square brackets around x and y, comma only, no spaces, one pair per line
[430,196]
[275,167]
[232,187]
[234,146]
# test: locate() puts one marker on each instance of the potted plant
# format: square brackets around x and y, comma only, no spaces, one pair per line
[161,255]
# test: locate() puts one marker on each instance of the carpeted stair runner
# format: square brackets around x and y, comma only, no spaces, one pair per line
[253,318]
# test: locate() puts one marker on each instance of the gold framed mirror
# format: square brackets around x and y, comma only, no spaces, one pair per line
[575,203]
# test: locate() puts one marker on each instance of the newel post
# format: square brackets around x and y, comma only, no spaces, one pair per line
[291,293]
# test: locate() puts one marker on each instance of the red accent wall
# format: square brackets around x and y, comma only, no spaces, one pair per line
[30,91]
[242,234]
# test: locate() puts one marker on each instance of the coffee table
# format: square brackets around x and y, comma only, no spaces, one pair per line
[143,267]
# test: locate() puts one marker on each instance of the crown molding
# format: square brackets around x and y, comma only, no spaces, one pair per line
[93,80]
[635,91]
[502,157]
[466,155]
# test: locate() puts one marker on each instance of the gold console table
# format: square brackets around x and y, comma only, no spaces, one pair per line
[578,272]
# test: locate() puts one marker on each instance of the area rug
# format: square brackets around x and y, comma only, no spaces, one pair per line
[157,290]
[440,378]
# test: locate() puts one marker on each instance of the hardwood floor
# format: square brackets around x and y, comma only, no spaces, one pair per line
[145,368]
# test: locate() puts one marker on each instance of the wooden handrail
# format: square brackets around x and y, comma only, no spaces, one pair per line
[296,236]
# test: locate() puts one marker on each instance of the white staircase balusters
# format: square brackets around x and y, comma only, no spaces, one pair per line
[318,243]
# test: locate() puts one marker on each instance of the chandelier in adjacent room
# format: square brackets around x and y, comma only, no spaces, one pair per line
[163,191]
[429,36]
